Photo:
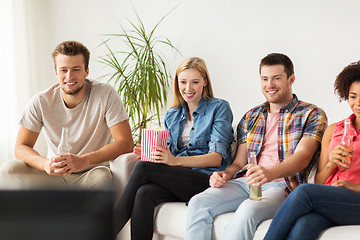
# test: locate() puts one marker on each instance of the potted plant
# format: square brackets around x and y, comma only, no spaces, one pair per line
[140,73]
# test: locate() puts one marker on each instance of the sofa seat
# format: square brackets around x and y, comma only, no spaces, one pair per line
[170,221]
[170,218]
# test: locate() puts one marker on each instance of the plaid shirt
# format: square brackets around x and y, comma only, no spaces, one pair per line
[297,119]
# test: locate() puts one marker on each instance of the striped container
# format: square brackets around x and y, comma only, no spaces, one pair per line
[150,139]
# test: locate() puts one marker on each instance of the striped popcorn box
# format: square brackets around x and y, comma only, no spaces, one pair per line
[150,139]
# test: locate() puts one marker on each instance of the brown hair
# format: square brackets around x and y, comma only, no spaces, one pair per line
[348,76]
[278,59]
[199,65]
[72,48]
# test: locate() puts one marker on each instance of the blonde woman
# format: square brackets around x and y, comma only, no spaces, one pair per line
[200,133]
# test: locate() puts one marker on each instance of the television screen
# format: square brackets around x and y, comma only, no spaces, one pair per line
[56,215]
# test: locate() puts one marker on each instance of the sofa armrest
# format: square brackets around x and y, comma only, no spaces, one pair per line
[121,168]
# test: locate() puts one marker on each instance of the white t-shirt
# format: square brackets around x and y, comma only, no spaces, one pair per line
[88,123]
[185,136]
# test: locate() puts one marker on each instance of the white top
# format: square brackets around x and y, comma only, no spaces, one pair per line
[185,136]
[88,123]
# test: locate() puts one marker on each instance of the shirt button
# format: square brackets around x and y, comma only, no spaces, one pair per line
[190,144]
[192,128]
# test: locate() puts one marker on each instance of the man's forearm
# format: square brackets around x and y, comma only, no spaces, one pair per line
[300,159]
[232,169]
[108,152]
[30,156]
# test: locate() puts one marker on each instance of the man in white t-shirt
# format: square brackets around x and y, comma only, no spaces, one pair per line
[98,126]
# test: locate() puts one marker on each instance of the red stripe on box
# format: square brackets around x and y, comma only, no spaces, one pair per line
[150,139]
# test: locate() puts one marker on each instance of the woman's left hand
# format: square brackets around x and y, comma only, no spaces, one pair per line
[349,185]
[162,155]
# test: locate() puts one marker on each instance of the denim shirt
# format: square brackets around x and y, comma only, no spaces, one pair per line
[211,131]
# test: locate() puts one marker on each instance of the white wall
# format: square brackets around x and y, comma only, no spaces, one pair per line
[321,37]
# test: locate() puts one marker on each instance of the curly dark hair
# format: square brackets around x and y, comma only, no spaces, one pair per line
[348,75]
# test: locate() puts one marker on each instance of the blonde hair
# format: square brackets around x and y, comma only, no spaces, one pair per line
[198,64]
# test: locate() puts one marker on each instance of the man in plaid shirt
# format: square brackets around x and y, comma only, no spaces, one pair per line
[285,134]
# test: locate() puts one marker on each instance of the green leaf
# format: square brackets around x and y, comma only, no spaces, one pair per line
[139,73]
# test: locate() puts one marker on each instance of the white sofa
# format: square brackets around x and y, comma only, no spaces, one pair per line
[170,218]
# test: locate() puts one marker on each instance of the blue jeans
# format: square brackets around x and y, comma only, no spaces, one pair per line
[312,208]
[232,197]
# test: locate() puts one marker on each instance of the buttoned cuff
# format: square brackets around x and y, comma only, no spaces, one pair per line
[219,148]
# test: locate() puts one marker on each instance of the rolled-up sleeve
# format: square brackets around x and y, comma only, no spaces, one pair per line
[222,131]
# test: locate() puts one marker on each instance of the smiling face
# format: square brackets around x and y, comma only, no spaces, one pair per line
[71,74]
[191,85]
[354,98]
[276,86]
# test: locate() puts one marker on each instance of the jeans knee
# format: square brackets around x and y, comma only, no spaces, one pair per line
[195,202]
[200,208]
[302,191]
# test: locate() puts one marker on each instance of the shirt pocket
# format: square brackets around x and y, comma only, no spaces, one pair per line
[202,143]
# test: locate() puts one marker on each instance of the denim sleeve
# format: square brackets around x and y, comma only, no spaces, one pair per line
[222,131]
[166,125]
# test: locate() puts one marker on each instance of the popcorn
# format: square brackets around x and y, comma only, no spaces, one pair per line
[151,139]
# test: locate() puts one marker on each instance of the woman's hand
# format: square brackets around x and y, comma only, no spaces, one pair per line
[349,185]
[162,155]
[137,150]
[340,156]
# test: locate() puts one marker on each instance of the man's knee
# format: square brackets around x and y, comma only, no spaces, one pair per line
[14,167]
[202,205]
[196,201]
[98,178]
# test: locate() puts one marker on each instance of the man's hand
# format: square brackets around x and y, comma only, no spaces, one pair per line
[258,175]
[49,168]
[65,164]
[218,179]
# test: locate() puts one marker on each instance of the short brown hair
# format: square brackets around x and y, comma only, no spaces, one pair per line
[278,59]
[348,76]
[72,48]
[198,64]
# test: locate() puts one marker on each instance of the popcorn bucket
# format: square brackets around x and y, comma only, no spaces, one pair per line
[150,139]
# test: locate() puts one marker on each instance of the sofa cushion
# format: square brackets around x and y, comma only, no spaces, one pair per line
[341,232]
[170,223]
[170,220]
